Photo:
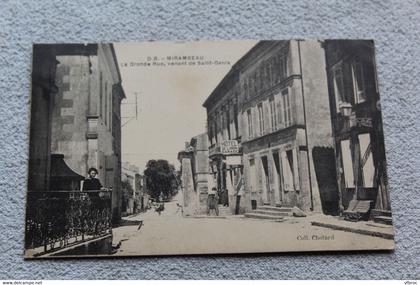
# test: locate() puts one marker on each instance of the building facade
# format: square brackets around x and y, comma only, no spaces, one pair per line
[274,105]
[135,198]
[142,196]
[195,180]
[130,188]
[224,136]
[357,123]
[76,118]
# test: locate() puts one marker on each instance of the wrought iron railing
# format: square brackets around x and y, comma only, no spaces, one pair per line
[57,219]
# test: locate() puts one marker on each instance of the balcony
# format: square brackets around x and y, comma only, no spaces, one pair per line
[56,220]
[360,116]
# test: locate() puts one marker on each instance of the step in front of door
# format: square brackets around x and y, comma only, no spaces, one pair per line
[383,220]
[378,212]
[277,209]
[272,213]
[263,216]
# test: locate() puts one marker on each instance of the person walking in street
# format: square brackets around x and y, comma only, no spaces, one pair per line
[91,182]
[160,207]
[213,201]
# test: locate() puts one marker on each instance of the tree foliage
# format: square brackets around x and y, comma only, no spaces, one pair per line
[160,179]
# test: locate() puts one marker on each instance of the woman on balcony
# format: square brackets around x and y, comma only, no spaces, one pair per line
[92,183]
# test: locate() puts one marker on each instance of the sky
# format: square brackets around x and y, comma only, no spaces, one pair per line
[169,97]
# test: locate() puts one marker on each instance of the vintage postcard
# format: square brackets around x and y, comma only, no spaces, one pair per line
[207,147]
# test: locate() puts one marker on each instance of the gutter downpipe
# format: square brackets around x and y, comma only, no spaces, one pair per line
[306,127]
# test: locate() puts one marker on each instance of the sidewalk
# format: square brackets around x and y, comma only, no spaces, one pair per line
[362,227]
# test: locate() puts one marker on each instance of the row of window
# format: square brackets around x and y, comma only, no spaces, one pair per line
[224,125]
[270,72]
[280,115]
[285,165]
[285,174]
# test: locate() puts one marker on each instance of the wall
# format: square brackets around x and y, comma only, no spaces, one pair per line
[306,84]
[392,24]
[42,97]
[317,110]
[69,124]
[201,172]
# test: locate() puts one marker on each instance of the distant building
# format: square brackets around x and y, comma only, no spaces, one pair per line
[135,197]
[269,123]
[75,118]
[357,123]
[142,196]
[130,188]
[195,184]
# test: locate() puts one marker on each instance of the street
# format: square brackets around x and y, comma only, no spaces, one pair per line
[171,234]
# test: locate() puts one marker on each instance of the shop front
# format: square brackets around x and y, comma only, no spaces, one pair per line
[226,173]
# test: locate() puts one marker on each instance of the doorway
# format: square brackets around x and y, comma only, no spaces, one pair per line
[278,191]
[265,181]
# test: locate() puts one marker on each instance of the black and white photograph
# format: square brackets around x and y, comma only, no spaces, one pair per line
[206,147]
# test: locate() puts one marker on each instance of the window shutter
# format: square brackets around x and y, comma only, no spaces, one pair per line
[255,127]
[266,117]
[278,100]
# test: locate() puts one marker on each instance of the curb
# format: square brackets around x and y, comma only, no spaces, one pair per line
[353,230]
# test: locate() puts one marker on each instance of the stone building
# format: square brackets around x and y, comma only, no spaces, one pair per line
[357,123]
[135,197]
[194,161]
[75,118]
[224,135]
[274,105]
[142,196]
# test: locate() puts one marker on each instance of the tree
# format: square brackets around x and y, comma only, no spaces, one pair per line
[160,179]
